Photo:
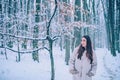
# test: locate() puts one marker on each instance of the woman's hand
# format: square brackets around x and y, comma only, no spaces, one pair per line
[73,71]
[90,74]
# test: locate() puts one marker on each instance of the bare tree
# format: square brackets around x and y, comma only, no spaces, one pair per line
[50,40]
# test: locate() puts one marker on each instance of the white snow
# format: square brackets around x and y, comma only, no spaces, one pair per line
[27,69]
[105,63]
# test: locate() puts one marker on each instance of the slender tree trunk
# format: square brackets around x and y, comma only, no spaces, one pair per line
[4,44]
[109,20]
[106,22]
[35,54]
[77,34]
[111,25]
[94,21]
[67,49]
[4,28]
[18,58]
[67,38]
[50,41]
[118,25]
[60,44]
[51,58]
[77,31]
[28,7]
[77,11]
[73,44]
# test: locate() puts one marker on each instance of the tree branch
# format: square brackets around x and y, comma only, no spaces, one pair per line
[30,51]
[55,38]
[48,27]
[21,37]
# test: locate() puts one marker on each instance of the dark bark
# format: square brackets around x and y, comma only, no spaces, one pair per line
[61,44]
[28,7]
[19,55]
[4,44]
[77,10]
[67,49]
[51,43]
[66,37]
[35,54]
[109,15]
[77,34]
[73,44]
[106,22]
[118,25]
[77,31]
[111,25]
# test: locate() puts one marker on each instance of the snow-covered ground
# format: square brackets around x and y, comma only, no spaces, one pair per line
[107,65]
[27,69]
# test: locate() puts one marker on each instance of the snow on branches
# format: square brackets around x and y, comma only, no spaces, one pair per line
[22,25]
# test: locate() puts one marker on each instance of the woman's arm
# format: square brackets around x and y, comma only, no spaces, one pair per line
[72,62]
[93,69]
[94,64]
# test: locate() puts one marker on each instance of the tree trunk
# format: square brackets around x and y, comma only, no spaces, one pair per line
[61,44]
[35,54]
[111,25]
[77,12]
[77,31]
[72,44]
[28,7]
[51,42]
[106,22]
[18,58]
[118,25]
[67,49]
[66,37]
[109,21]
[52,59]
[77,34]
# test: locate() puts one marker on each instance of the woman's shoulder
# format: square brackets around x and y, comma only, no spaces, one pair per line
[76,50]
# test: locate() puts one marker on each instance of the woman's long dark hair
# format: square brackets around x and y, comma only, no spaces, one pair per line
[89,51]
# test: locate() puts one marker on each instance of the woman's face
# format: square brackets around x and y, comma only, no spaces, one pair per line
[83,42]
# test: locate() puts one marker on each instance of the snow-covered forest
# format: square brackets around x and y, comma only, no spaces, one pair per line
[37,37]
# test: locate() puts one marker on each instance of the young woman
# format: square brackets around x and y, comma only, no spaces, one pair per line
[83,62]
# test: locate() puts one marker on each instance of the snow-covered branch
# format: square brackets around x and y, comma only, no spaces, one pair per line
[29,51]
[21,37]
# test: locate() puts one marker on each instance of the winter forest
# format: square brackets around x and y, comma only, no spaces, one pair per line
[37,37]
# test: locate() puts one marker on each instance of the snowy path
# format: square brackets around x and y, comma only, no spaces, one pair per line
[112,65]
[30,70]
[102,73]
[106,66]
